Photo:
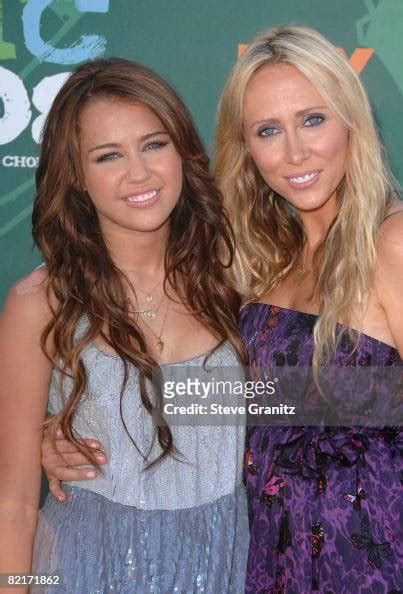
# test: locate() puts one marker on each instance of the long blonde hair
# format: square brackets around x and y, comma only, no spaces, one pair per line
[269,234]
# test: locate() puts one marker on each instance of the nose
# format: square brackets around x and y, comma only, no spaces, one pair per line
[137,170]
[297,149]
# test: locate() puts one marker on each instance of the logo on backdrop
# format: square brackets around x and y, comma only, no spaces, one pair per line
[13,92]
[19,99]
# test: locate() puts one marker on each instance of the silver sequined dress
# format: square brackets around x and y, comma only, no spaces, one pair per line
[179,527]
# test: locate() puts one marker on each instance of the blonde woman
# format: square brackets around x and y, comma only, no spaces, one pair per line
[320,258]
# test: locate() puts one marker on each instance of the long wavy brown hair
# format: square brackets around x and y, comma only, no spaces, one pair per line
[82,278]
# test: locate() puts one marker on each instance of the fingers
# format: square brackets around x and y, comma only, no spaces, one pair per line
[64,473]
[56,490]
[64,446]
[49,454]
[68,474]
[77,459]
[92,443]
[77,475]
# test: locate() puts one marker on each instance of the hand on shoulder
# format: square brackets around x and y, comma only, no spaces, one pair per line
[25,313]
[32,283]
[26,301]
[389,280]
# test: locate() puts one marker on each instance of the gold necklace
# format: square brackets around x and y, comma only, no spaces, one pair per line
[150,314]
[159,342]
[301,272]
[148,294]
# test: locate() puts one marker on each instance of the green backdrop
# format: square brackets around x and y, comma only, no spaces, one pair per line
[193,43]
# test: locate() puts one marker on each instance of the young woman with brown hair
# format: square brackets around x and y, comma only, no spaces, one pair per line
[136,245]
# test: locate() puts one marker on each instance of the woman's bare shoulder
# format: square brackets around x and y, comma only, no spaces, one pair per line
[27,300]
[390,240]
[389,274]
[32,283]
[392,227]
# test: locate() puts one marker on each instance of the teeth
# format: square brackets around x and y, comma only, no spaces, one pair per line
[142,197]
[303,179]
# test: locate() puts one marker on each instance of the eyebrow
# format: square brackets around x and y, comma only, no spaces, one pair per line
[298,114]
[117,144]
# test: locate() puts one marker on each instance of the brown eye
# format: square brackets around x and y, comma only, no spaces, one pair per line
[108,157]
[152,146]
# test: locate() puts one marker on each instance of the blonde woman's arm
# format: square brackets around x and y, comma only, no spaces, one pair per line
[61,461]
[25,375]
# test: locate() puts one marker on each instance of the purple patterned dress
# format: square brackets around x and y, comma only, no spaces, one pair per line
[325,503]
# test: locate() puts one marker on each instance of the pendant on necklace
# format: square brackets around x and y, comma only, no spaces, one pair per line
[147,313]
[301,274]
[160,346]
[149,297]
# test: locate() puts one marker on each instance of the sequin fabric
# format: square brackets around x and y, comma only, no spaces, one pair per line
[176,528]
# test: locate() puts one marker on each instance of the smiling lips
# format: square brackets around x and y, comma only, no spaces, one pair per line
[142,200]
[303,180]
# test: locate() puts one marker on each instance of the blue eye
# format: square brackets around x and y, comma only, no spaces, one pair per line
[108,157]
[314,120]
[267,131]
